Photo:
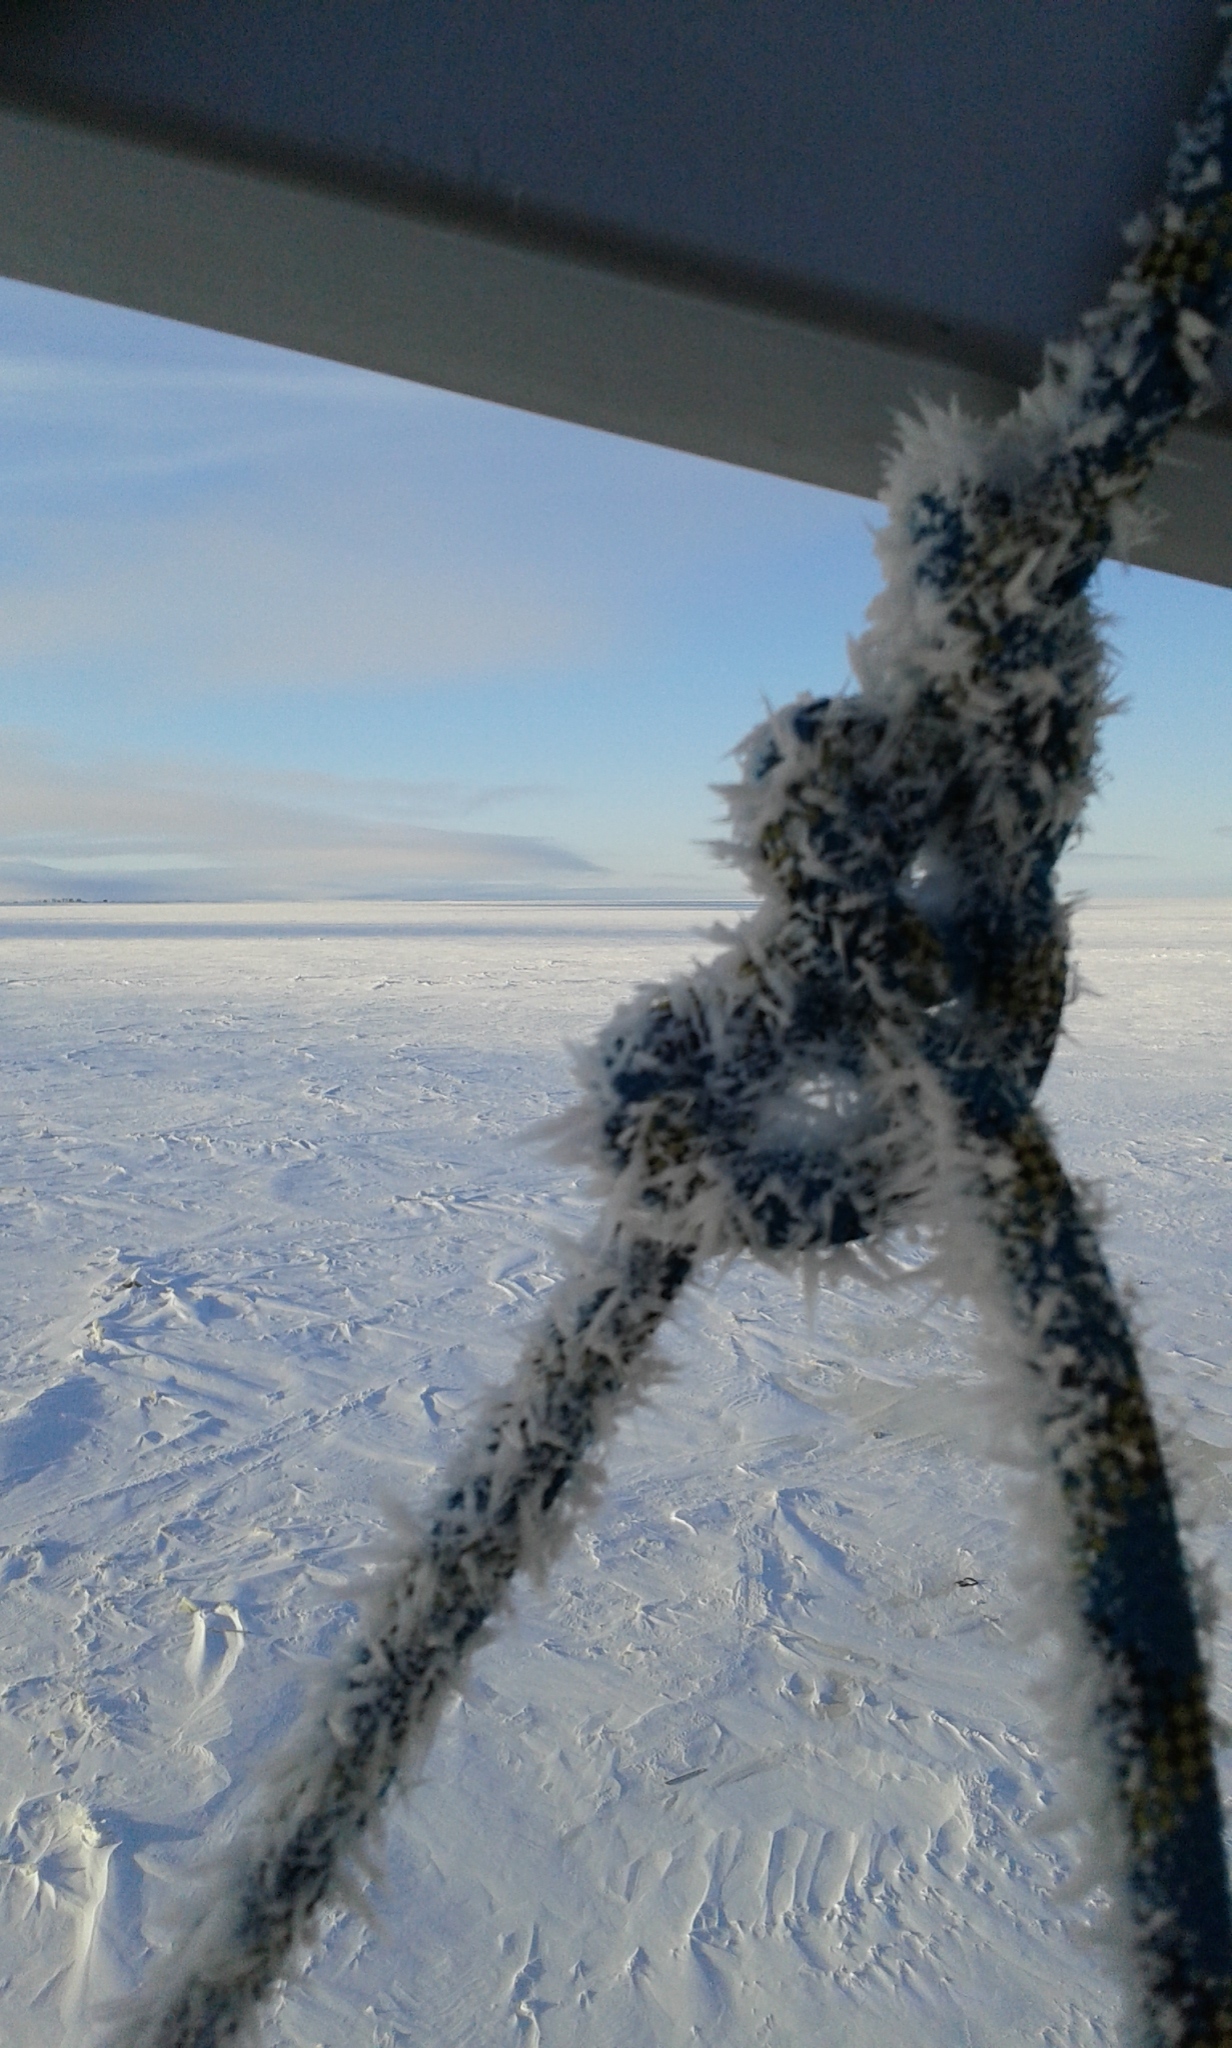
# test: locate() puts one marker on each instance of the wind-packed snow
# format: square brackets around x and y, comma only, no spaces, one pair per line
[762,1761]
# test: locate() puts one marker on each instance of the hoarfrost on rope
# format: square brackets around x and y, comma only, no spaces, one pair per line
[863,1055]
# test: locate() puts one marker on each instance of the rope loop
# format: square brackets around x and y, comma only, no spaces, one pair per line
[864,1052]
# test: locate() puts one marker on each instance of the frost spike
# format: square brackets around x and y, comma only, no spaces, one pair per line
[864,1053]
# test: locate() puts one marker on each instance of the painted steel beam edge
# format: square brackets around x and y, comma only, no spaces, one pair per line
[571,331]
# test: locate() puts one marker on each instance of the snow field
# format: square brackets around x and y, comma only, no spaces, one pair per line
[762,1762]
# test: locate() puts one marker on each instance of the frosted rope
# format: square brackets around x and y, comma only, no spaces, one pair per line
[863,1054]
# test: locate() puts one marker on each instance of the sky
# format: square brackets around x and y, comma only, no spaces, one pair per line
[272,627]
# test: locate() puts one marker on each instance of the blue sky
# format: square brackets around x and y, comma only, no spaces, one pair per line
[274,627]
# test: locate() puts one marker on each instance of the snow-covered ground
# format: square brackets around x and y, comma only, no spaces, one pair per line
[762,1762]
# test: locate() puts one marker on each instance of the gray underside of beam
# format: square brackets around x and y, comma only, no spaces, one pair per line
[276,260]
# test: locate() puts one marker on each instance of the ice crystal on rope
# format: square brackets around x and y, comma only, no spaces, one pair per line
[864,1054]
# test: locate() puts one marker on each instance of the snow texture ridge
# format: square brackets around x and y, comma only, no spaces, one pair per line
[262,1182]
[857,1065]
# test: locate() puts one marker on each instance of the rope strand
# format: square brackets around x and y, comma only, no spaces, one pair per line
[864,1053]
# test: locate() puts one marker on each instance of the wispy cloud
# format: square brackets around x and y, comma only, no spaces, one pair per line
[126,827]
[78,423]
[223,604]
[1097,859]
